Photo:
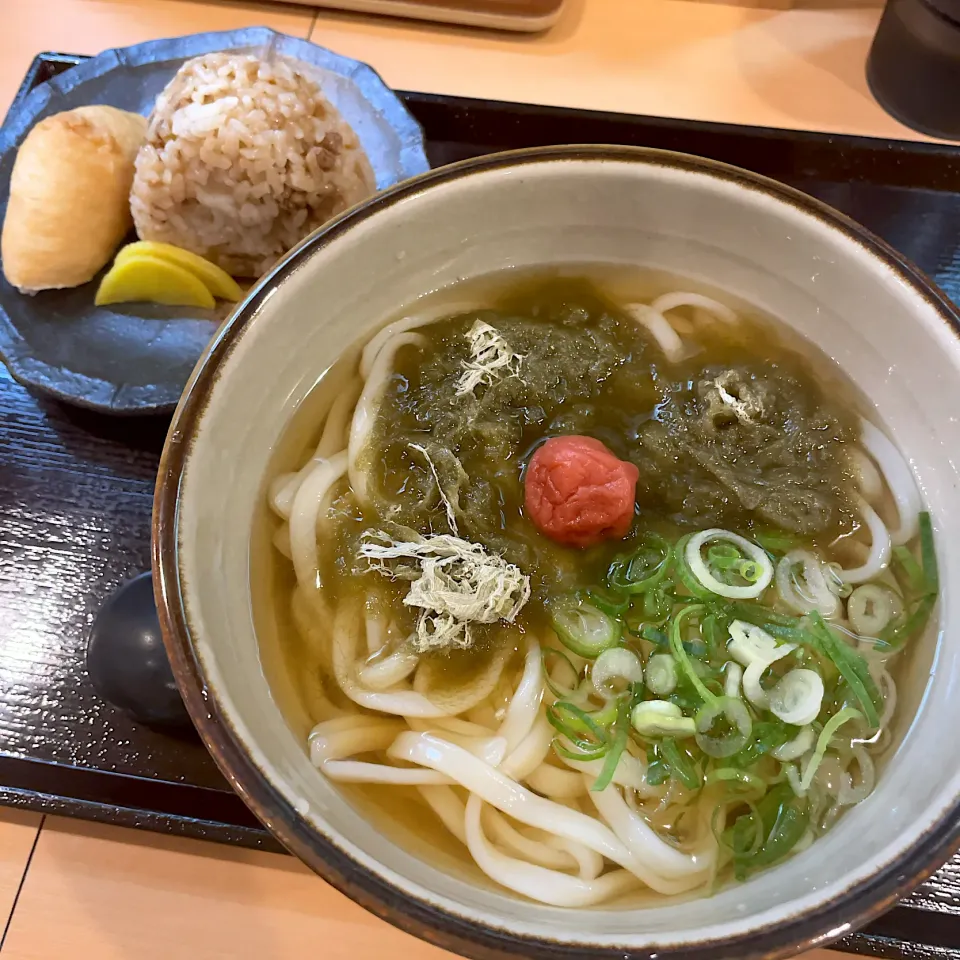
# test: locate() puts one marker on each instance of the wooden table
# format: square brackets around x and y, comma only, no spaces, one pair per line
[82,890]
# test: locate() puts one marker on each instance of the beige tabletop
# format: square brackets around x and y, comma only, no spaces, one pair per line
[90,891]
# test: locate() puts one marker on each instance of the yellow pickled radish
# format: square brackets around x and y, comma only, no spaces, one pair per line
[216,280]
[152,280]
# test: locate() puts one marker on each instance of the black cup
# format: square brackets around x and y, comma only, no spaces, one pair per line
[914,65]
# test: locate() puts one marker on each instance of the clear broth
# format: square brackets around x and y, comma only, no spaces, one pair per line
[287,661]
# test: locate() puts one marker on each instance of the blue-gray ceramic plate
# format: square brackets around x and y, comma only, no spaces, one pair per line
[136,358]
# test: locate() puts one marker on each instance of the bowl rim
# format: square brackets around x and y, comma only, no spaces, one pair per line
[857,905]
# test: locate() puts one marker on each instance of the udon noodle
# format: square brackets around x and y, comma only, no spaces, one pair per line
[596,697]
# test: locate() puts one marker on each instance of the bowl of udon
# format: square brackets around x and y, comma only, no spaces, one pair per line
[555,553]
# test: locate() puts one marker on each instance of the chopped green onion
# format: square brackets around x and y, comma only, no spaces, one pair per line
[689,705]
[871,608]
[694,587]
[621,730]
[774,541]
[606,715]
[617,664]
[794,749]
[577,726]
[657,602]
[784,818]
[744,838]
[583,628]
[761,616]
[548,652]
[661,674]
[741,780]
[905,562]
[611,602]
[912,625]
[715,628]
[750,644]
[926,599]
[654,636]
[797,696]
[658,770]
[738,720]
[853,668]
[766,737]
[661,718]
[696,648]
[595,753]
[644,568]
[681,765]
[723,553]
[680,653]
[823,741]
[692,555]
[836,584]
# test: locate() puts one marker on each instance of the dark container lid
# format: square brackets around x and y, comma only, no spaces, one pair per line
[914,65]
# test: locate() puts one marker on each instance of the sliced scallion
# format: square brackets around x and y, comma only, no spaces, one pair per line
[583,731]
[785,818]
[580,754]
[661,718]
[681,765]
[766,737]
[823,741]
[621,730]
[731,713]
[680,653]
[928,553]
[794,749]
[925,597]
[661,674]
[796,697]
[694,587]
[871,608]
[905,564]
[644,568]
[615,669]
[852,667]
[739,780]
[657,602]
[761,616]
[744,838]
[754,585]
[774,541]
[652,635]
[584,628]
[611,602]
[549,653]
[606,715]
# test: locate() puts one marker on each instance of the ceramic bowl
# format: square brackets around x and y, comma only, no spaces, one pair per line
[870,312]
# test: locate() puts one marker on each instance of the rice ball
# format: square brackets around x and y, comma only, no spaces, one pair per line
[243,158]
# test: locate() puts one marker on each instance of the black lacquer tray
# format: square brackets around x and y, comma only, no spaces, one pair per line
[76,490]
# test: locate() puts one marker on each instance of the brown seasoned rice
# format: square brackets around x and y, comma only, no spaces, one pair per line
[244,158]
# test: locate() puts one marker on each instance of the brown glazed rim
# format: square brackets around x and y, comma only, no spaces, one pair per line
[856,906]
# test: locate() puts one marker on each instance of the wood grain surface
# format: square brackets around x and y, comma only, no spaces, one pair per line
[28,27]
[18,831]
[99,892]
[75,502]
[742,62]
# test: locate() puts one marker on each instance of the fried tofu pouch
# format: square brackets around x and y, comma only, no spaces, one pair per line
[69,203]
